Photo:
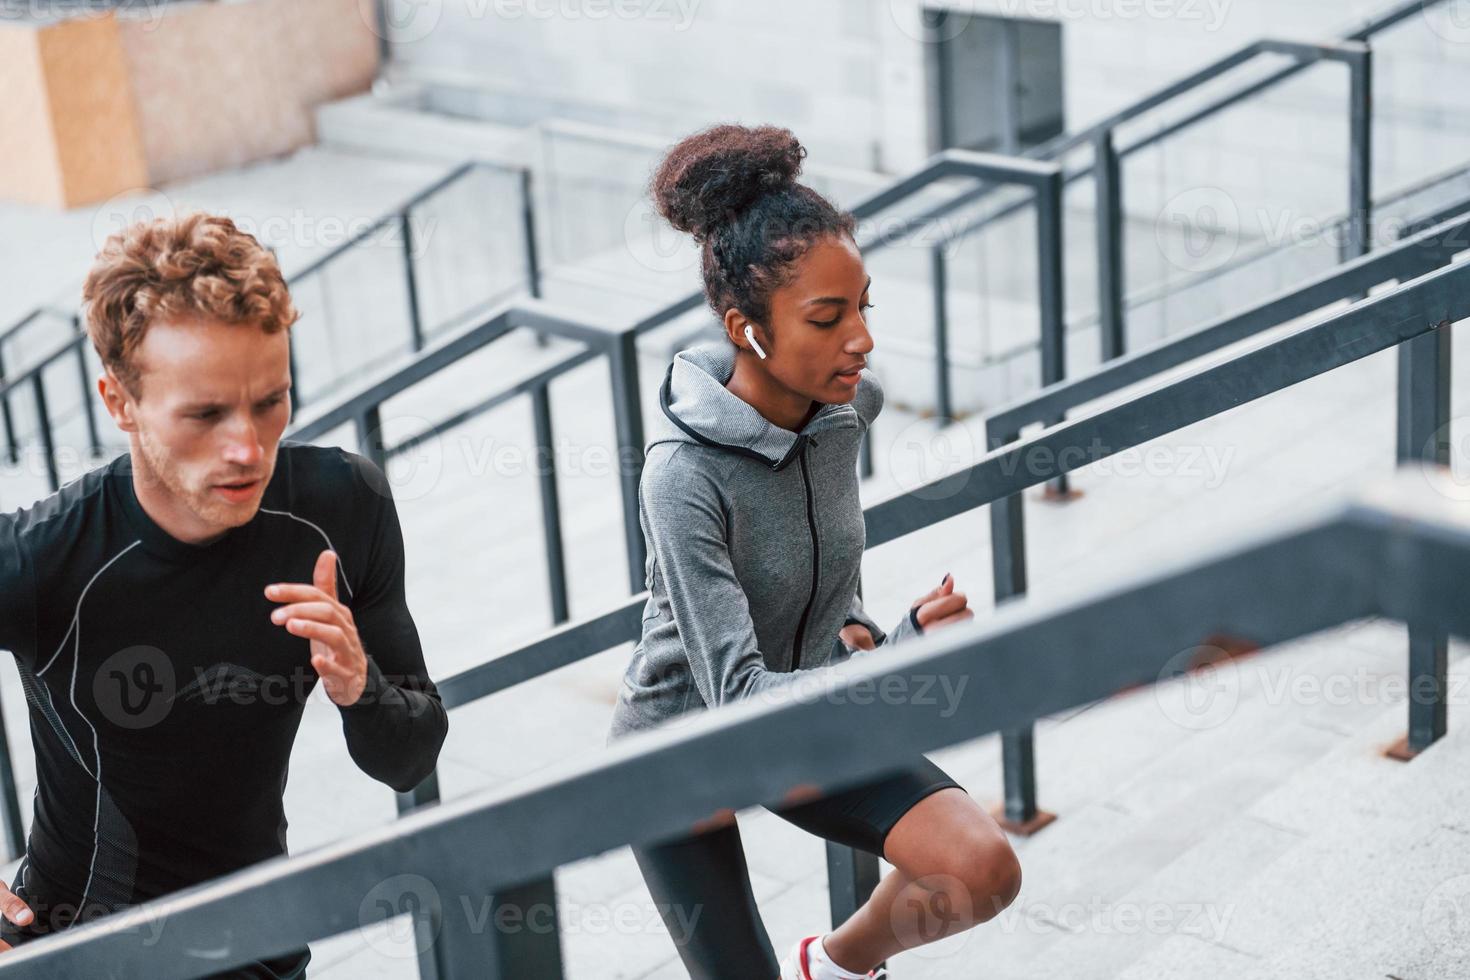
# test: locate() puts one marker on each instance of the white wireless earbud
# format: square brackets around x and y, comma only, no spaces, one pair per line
[755,344]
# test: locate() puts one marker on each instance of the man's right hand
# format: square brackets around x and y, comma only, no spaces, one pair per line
[15,911]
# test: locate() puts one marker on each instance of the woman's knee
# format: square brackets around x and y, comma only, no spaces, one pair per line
[986,873]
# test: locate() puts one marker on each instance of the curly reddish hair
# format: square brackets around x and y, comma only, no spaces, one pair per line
[193,267]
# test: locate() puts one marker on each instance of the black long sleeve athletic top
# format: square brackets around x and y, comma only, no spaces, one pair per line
[163,700]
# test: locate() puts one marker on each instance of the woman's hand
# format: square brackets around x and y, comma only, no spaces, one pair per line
[942,607]
[856,636]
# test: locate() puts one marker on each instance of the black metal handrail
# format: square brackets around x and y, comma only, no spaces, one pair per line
[361,407]
[1399,552]
[1413,317]
[398,215]
[1347,49]
[1423,410]
[1108,176]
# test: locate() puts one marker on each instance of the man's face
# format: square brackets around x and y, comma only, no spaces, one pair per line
[214,399]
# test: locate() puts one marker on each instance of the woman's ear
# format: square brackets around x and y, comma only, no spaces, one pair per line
[735,327]
[743,333]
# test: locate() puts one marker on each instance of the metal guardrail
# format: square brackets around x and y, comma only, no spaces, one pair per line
[1106,171]
[361,407]
[1402,552]
[1410,258]
[1045,180]
[1348,49]
[1414,317]
[1423,410]
[398,216]
[1006,171]
[1047,185]
[1108,177]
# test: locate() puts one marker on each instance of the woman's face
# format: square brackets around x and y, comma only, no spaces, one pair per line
[817,339]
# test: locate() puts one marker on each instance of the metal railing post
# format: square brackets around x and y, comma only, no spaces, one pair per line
[1107,178]
[410,279]
[94,438]
[852,877]
[939,276]
[293,367]
[528,233]
[12,450]
[556,571]
[508,935]
[15,837]
[528,241]
[43,427]
[369,428]
[1020,813]
[424,794]
[622,356]
[1052,285]
[1424,436]
[1360,154]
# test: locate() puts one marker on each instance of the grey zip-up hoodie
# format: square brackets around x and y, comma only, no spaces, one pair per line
[755,542]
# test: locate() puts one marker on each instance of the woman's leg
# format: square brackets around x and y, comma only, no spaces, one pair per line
[953,869]
[701,886]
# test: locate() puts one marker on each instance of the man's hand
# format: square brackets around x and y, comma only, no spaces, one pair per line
[856,636]
[315,613]
[15,910]
[942,607]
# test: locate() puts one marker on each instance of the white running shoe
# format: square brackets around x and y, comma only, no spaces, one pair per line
[797,963]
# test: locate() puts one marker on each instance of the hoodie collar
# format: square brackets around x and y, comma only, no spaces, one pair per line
[695,400]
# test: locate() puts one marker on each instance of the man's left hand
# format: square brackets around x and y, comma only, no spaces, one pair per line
[314,613]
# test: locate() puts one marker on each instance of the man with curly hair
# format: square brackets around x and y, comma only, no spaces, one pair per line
[170,612]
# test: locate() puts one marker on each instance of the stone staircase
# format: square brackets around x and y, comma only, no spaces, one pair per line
[1265,837]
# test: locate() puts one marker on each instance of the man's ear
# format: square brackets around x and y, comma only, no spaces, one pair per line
[118,401]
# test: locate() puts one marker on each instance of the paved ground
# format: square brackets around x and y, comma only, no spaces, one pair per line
[1272,842]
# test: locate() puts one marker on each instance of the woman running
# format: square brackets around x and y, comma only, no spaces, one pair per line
[749,505]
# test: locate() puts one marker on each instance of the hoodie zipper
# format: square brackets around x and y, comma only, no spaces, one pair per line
[811,523]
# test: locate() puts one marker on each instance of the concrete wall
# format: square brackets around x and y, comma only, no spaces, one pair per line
[848,76]
[219,85]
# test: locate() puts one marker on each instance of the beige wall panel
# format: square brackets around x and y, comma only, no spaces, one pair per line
[219,85]
[96,132]
[28,167]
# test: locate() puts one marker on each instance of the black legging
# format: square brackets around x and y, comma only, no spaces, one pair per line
[701,884]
